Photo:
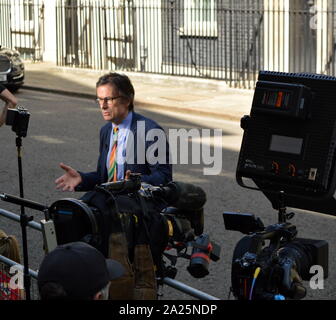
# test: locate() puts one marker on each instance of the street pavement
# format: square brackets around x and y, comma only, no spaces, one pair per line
[162,93]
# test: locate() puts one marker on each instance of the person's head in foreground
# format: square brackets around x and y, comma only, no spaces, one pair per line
[76,271]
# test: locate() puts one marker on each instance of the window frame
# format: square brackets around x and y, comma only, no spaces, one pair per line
[195,24]
[28,10]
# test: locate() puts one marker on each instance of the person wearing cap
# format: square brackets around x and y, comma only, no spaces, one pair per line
[76,271]
[10,101]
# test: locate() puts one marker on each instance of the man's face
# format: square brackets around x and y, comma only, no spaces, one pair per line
[114,110]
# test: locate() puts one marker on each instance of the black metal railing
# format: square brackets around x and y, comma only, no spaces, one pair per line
[228,40]
[199,38]
[22,27]
[95,34]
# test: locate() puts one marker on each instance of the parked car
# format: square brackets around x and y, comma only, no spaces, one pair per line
[11,69]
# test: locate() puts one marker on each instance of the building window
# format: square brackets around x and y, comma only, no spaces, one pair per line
[28,10]
[200,18]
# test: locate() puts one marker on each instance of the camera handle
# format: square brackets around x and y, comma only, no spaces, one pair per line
[24,219]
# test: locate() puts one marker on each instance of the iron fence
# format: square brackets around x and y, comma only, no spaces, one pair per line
[22,27]
[227,40]
[95,34]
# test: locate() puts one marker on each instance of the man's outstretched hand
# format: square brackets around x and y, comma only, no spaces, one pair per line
[70,180]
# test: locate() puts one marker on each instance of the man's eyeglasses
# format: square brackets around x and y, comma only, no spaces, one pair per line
[106,100]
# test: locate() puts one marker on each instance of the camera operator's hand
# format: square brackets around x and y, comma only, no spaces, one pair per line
[3,113]
[70,180]
[128,174]
[9,105]
[6,95]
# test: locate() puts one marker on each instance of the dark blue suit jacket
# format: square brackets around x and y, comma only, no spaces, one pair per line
[154,174]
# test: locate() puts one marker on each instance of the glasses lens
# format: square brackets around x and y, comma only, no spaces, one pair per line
[107,100]
[103,101]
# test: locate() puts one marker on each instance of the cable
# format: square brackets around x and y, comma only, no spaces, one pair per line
[256,273]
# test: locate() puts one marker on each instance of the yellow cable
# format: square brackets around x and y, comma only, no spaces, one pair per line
[256,273]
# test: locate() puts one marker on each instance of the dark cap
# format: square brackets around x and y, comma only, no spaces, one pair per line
[79,268]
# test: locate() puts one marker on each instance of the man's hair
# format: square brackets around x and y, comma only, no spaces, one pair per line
[122,83]
[52,291]
[55,291]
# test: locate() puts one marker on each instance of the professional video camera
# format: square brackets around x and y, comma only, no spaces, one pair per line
[172,217]
[288,150]
[276,271]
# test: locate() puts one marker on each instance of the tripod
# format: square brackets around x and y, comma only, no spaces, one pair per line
[24,219]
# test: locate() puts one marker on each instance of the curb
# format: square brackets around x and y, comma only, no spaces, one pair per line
[61,92]
[142,105]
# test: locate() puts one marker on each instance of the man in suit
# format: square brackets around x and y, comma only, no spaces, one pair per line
[123,144]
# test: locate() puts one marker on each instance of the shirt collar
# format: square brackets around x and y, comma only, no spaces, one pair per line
[126,123]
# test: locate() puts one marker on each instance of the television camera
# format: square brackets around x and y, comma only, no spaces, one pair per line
[288,151]
[172,217]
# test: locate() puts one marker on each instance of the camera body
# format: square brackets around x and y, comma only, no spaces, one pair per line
[273,271]
[19,120]
[128,206]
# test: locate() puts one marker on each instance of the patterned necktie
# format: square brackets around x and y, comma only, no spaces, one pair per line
[112,171]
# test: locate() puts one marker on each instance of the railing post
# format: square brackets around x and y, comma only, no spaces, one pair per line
[172,4]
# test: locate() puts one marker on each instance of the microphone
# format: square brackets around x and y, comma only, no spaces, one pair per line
[184,196]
